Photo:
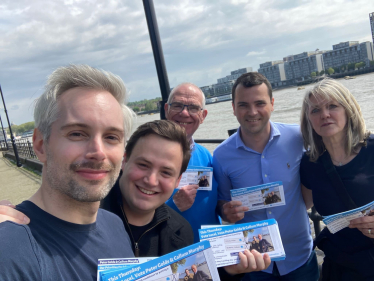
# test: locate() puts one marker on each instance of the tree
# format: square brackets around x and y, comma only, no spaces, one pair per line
[372,63]
[322,72]
[351,66]
[317,73]
[136,109]
[336,69]
[174,266]
[330,71]
[313,74]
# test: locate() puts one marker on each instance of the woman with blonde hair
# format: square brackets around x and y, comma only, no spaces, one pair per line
[337,175]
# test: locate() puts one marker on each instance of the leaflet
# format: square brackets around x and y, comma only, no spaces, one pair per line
[260,196]
[228,241]
[202,176]
[339,221]
[173,266]
[107,265]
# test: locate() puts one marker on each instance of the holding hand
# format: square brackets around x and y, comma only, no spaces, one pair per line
[249,261]
[8,213]
[232,211]
[185,197]
[364,224]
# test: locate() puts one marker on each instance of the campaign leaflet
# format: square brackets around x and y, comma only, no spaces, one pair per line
[173,266]
[339,221]
[260,196]
[202,176]
[108,265]
[227,241]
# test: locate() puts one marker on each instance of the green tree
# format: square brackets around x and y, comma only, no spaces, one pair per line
[330,71]
[174,266]
[317,73]
[351,66]
[313,74]
[136,109]
[336,69]
[322,72]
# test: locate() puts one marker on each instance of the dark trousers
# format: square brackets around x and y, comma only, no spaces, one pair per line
[307,272]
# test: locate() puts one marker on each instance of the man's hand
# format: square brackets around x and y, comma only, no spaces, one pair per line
[364,224]
[8,213]
[232,211]
[185,197]
[249,261]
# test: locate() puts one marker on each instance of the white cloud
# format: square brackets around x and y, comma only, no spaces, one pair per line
[253,53]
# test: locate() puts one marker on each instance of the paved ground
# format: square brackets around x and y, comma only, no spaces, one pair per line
[16,184]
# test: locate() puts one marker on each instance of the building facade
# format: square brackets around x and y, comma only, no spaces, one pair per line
[371,17]
[274,72]
[348,52]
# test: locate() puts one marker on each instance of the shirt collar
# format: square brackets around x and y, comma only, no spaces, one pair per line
[274,131]
[192,144]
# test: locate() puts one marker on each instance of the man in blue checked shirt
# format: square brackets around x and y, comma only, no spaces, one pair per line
[263,152]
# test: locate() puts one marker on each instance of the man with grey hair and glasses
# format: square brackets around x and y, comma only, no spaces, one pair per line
[186,107]
[81,126]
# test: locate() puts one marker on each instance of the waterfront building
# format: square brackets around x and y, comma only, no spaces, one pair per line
[274,72]
[224,85]
[299,67]
[348,52]
[371,16]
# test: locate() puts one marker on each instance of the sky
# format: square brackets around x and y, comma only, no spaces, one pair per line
[202,40]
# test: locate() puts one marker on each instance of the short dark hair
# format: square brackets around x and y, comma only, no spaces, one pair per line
[251,79]
[165,129]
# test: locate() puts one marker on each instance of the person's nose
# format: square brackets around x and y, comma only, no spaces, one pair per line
[151,178]
[252,110]
[325,113]
[184,111]
[96,149]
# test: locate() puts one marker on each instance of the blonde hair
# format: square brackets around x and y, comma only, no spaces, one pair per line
[329,89]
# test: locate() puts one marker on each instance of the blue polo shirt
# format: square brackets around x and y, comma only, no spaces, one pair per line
[203,209]
[237,166]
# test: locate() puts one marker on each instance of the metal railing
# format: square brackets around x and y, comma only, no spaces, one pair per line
[24,148]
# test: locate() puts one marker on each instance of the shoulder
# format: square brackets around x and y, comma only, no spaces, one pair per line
[105,217]
[18,249]
[226,145]
[201,149]
[284,128]
[179,225]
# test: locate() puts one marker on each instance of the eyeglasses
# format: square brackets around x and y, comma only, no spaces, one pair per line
[179,107]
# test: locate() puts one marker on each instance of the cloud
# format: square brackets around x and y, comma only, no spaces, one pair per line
[202,40]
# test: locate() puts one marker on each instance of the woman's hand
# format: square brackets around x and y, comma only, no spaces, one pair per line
[364,224]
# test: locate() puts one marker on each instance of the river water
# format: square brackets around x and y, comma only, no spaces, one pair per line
[287,106]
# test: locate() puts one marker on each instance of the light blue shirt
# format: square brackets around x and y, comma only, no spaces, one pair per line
[237,166]
[203,210]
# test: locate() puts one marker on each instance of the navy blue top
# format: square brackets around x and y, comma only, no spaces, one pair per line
[358,178]
[52,249]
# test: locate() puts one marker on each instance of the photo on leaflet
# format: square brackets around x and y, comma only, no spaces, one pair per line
[258,239]
[203,178]
[369,211]
[271,195]
[185,269]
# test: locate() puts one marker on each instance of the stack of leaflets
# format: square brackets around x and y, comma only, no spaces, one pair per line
[173,266]
[228,241]
[260,196]
[339,221]
[202,176]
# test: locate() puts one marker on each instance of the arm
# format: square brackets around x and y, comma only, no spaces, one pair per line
[231,211]
[8,213]
[308,197]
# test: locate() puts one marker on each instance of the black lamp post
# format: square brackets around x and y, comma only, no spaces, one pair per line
[157,53]
[19,164]
[2,128]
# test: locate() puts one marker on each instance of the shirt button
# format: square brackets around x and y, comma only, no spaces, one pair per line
[263,156]
[266,175]
[269,212]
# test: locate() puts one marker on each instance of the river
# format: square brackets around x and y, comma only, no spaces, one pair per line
[287,106]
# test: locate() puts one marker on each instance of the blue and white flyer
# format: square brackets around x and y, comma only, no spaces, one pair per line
[260,196]
[228,241]
[108,265]
[202,176]
[339,221]
[173,266]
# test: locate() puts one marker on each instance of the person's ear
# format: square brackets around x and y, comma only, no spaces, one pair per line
[39,145]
